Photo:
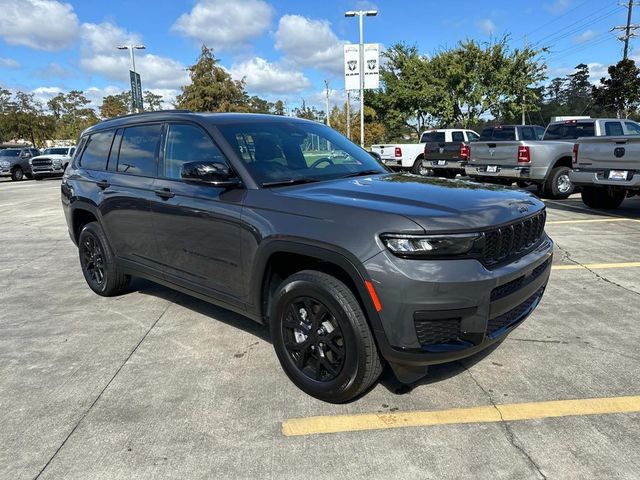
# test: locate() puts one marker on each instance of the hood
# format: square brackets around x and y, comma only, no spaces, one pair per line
[51,156]
[433,203]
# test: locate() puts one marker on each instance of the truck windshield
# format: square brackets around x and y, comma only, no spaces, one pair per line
[494,133]
[56,151]
[432,137]
[569,131]
[285,152]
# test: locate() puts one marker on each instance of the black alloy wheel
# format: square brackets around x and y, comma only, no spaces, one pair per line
[92,259]
[313,338]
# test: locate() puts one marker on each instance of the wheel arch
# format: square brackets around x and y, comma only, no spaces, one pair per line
[82,213]
[564,161]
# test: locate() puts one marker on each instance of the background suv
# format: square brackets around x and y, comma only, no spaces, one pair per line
[289,223]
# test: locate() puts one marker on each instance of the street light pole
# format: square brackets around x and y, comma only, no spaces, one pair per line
[131,48]
[360,14]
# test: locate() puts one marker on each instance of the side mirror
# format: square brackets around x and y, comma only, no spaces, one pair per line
[25,155]
[217,174]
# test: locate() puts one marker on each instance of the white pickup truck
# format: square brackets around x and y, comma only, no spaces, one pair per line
[444,151]
[607,169]
[521,153]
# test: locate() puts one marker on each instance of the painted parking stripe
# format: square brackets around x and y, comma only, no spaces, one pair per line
[595,266]
[484,414]
[592,220]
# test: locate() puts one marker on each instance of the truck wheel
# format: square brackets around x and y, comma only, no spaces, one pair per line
[322,338]
[418,169]
[558,185]
[98,263]
[605,198]
[522,184]
[17,174]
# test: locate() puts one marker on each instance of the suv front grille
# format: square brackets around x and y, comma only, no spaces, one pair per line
[514,285]
[41,162]
[513,316]
[506,242]
[432,332]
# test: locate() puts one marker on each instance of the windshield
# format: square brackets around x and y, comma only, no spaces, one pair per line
[56,151]
[569,131]
[277,151]
[10,152]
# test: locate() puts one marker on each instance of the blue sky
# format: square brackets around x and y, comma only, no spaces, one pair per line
[283,48]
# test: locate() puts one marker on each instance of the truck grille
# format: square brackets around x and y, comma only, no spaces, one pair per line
[506,242]
[41,162]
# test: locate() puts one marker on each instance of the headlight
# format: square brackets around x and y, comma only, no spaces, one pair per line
[4,164]
[430,245]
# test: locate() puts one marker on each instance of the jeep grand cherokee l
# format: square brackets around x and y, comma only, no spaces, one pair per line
[289,223]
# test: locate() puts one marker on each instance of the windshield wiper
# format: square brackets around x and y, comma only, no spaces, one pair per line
[362,173]
[291,181]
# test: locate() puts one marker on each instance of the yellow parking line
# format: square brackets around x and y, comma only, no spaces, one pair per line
[609,219]
[484,414]
[595,266]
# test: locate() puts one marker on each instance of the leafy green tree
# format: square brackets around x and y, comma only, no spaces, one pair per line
[260,105]
[72,113]
[152,101]
[24,117]
[620,92]
[279,108]
[310,113]
[211,89]
[115,105]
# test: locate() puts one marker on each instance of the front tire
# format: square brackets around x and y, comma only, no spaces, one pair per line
[17,174]
[322,338]
[558,185]
[604,198]
[98,263]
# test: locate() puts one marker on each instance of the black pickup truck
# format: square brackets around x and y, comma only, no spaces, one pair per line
[446,151]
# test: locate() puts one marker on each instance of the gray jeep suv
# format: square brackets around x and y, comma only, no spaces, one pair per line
[289,223]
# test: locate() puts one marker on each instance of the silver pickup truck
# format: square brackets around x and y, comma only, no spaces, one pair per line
[509,153]
[607,169]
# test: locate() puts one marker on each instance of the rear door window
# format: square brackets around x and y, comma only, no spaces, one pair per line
[473,136]
[613,129]
[528,133]
[539,132]
[457,137]
[96,152]
[139,150]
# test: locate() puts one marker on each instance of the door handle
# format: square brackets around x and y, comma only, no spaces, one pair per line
[103,184]
[165,193]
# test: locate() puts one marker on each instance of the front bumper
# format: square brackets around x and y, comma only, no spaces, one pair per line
[519,172]
[444,310]
[600,177]
[49,172]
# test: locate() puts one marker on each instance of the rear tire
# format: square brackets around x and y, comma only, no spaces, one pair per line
[17,174]
[322,338]
[417,167]
[98,262]
[558,184]
[604,198]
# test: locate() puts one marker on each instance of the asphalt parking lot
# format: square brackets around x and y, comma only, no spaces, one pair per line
[156,384]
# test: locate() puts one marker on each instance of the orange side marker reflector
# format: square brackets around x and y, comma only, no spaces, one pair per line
[373,295]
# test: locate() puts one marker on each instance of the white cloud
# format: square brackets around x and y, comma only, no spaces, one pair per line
[597,71]
[225,24]
[585,36]
[100,56]
[558,7]
[309,42]
[486,25]
[9,63]
[39,24]
[264,77]
[44,94]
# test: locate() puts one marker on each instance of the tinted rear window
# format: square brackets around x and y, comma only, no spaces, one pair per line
[138,150]
[432,137]
[613,129]
[457,137]
[504,133]
[569,131]
[96,153]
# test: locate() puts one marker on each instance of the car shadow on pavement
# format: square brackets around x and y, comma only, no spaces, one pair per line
[202,307]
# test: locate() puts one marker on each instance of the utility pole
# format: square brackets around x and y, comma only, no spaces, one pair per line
[326,98]
[629,29]
[360,14]
[348,114]
[131,48]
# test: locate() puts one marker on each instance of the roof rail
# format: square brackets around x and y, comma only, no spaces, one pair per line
[149,112]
